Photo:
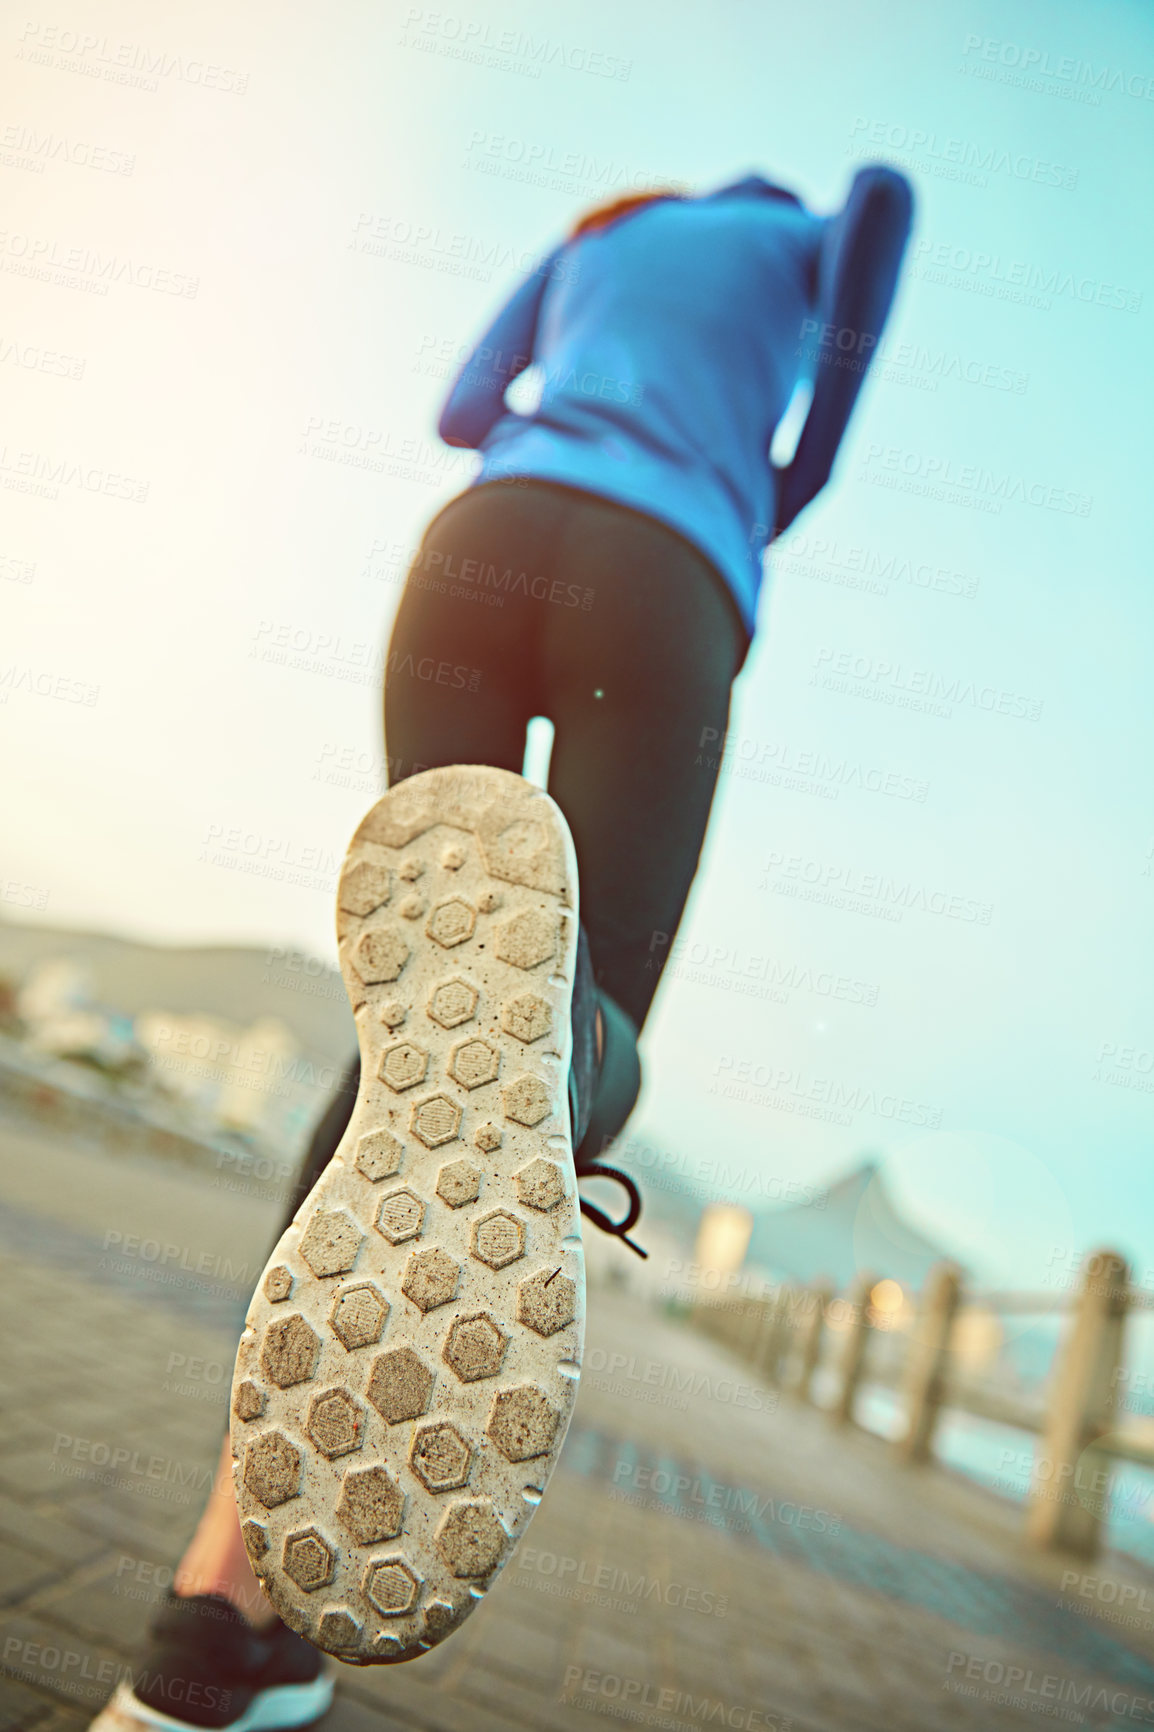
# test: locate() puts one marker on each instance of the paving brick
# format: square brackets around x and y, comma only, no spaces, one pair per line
[22,1709]
[37,1530]
[22,1572]
[848,1633]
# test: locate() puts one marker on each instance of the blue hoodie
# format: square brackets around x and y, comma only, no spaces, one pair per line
[668,345]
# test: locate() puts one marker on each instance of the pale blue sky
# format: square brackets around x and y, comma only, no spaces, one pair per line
[353,127]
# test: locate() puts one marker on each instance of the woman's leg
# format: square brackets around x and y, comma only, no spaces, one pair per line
[456,691]
[639,687]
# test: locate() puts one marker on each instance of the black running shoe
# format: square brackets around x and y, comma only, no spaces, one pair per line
[207,1667]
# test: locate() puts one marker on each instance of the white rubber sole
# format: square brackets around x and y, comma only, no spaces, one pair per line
[277,1710]
[410,1358]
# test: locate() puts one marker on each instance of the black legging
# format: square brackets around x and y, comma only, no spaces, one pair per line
[531,599]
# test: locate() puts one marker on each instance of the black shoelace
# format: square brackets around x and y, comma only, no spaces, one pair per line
[616,1229]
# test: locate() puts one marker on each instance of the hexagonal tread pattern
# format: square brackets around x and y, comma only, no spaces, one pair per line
[475,1347]
[272,1469]
[540,1185]
[379,1155]
[403,1066]
[523,1423]
[440,1457]
[471,1539]
[330,1242]
[458,1183]
[392,1585]
[474,1063]
[399,1386]
[408,1366]
[527,1100]
[290,1352]
[453,1002]
[336,1422]
[436,1120]
[358,1316]
[431,1278]
[498,1239]
[451,922]
[365,887]
[380,955]
[400,1216]
[309,1560]
[371,1505]
[527,1017]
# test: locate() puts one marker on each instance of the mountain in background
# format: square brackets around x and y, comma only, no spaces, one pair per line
[237,984]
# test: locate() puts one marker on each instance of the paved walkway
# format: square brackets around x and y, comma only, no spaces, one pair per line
[706,1556]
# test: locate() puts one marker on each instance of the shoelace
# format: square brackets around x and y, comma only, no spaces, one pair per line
[616,1229]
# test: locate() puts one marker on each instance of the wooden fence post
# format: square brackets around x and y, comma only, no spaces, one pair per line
[769,1346]
[746,1324]
[853,1353]
[926,1363]
[1070,1489]
[813,1331]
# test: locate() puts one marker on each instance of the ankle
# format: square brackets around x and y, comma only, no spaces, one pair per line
[246,1599]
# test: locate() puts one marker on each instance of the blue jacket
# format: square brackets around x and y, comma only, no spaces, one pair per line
[667,347]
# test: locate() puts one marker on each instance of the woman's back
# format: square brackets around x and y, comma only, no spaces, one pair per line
[668,344]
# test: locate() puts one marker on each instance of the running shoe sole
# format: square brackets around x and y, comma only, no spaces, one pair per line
[410,1358]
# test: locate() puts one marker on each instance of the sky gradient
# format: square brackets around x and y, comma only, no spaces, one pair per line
[234,301]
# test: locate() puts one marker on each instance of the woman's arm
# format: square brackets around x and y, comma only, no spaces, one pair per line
[861,254]
[477,399]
